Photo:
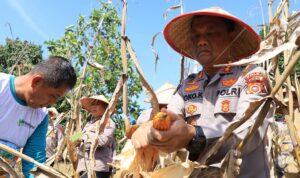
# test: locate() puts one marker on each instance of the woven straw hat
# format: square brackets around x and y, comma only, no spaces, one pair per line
[164,93]
[178,34]
[87,101]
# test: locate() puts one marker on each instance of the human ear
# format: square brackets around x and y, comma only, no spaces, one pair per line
[36,80]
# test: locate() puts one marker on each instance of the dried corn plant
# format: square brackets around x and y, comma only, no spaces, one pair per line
[41,167]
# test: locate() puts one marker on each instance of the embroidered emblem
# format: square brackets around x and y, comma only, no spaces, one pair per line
[191,109]
[225,105]
[227,69]
[191,82]
[256,77]
[256,83]
[255,88]
[228,82]
[191,88]
[22,122]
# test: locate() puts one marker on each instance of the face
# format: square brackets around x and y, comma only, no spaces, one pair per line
[97,109]
[210,39]
[40,95]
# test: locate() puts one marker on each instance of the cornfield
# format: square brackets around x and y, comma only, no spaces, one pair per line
[279,54]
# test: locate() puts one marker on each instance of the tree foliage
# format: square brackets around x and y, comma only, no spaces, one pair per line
[99,33]
[19,54]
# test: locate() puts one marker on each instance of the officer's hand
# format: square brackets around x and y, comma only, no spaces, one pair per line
[177,136]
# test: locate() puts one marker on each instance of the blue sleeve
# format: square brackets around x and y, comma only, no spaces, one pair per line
[35,147]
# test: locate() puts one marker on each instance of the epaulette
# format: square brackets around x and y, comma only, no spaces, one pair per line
[190,77]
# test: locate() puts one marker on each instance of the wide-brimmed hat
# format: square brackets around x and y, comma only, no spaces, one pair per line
[164,93]
[87,101]
[178,34]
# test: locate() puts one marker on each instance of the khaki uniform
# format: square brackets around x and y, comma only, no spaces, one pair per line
[104,151]
[52,140]
[215,104]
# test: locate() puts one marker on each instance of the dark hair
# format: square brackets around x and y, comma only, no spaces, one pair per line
[230,24]
[57,71]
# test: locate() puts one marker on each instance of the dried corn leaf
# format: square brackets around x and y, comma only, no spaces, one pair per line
[149,91]
[170,9]
[181,170]
[268,52]
[153,49]
[126,157]
[6,167]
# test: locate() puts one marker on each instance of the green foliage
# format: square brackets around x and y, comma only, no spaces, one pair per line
[23,53]
[76,136]
[75,45]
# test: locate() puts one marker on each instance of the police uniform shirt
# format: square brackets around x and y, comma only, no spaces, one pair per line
[215,104]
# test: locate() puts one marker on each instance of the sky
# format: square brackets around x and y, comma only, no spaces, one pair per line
[40,20]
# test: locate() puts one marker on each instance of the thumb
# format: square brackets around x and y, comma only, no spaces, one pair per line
[171,114]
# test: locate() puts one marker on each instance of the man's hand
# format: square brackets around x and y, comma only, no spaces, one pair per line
[177,136]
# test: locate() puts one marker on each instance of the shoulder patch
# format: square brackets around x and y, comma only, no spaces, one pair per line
[257,83]
[191,109]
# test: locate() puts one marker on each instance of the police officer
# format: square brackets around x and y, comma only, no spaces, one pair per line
[96,105]
[217,96]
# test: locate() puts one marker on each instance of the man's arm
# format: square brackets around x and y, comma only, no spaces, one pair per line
[107,135]
[35,147]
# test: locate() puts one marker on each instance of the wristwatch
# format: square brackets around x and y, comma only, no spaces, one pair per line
[197,144]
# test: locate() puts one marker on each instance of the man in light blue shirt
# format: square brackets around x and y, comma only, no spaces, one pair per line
[23,114]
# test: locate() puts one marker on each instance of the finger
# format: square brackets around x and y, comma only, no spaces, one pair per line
[236,171]
[160,136]
[171,114]
[238,162]
[237,153]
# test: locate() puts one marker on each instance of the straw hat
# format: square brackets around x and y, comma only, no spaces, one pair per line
[178,34]
[164,93]
[52,112]
[87,101]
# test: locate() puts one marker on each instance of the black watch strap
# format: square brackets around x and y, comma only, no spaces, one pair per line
[197,144]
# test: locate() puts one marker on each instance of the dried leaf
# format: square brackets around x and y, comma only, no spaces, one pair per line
[170,9]
[268,52]
[153,49]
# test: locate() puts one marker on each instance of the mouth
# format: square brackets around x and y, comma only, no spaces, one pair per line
[203,53]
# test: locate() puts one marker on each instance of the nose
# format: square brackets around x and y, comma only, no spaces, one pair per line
[202,40]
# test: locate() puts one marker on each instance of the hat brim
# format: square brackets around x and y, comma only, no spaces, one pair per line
[178,34]
[87,102]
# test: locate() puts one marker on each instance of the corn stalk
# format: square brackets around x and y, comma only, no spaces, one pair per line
[54,173]
[6,167]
